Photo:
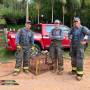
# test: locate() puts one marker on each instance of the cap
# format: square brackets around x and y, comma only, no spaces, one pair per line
[76,19]
[28,22]
[57,21]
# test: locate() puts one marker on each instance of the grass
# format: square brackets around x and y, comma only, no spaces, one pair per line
[5,55]
[87,52]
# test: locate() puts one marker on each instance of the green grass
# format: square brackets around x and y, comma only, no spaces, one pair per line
[5,55]
[87,52]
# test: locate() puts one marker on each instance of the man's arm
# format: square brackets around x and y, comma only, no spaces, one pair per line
[18,47]
[17,37]
[85,31]
[70,34]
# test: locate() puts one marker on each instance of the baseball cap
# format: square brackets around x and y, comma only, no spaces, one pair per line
[28,22]
[57,21]
[76,19]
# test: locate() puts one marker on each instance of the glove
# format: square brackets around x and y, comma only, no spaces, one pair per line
[83,42]
[33,47]
[18,47]
[86,37]
[33,51]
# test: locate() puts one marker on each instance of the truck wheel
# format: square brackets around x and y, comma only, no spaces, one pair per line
[36,51]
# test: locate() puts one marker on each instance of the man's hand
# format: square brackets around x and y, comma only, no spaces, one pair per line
[86,37]
[18,47]
[83,42]
[33,47]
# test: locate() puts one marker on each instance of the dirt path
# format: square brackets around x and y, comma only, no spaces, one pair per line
[46,81]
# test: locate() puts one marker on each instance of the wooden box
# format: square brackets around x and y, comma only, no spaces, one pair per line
[38,64]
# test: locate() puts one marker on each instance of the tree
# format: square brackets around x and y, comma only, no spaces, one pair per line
[52,2]
[63,2]
[37,6]
[1,1]
[73,7]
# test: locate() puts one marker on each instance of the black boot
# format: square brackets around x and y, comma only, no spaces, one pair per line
[16,72]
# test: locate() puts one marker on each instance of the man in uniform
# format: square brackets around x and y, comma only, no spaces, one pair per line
[24,42]
[55,48]
[78,36]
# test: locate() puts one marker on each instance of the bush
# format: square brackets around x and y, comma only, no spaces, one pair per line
[85,18]
[13,16]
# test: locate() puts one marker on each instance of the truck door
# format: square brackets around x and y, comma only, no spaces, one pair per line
[46,29]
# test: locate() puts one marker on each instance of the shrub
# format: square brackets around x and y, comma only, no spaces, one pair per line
[13,16]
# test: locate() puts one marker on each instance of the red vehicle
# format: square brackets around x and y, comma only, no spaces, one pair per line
[41,37]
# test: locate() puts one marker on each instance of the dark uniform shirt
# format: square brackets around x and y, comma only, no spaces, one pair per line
[56,34]
[77,35]
[24,37]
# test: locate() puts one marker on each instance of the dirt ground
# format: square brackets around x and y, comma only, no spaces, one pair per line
[46,81]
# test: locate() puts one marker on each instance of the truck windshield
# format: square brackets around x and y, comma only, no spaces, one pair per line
[49,28]
[65,29]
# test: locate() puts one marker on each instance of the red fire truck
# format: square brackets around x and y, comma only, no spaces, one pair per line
[41,37]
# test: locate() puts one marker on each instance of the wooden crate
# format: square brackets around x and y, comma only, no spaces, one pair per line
[39,65]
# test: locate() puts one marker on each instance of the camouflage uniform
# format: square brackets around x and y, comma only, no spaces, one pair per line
[55,49]
[25,39]
[77,49]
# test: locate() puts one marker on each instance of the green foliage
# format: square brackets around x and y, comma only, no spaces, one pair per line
[16,27]
[87,52]
[8,12]
[87,2]
[16,10]
[85,19]
[5,55]
[73,6]
[2,21]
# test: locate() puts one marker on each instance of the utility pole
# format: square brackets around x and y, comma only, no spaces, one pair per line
[52,2]
[27,11]
[38,10]
[63,9]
